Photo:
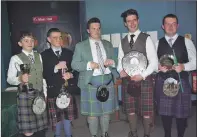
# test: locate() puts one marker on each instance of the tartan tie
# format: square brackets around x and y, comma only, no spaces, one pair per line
[170,42]
[31,58]
[100,57]
[131,41]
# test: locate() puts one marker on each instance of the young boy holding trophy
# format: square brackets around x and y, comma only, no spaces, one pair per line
[25,70]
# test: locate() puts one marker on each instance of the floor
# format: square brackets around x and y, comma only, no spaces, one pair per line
[121,128]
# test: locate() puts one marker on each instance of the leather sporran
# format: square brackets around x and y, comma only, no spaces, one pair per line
[102,93]
[133,88]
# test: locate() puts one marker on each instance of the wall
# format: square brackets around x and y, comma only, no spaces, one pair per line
[151,14]
[5,44]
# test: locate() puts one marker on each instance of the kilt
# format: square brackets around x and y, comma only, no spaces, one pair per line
[28,122]
[142,105]
[90,106]
[55,114]
[178,106]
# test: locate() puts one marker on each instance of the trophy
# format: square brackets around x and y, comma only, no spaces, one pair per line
[24,69]
[167,60]
[63,99]
[134,63]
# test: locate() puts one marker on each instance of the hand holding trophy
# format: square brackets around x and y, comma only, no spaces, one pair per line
[24,70]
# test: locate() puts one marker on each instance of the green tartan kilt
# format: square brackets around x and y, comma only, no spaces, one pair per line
[28,122]
[92,107]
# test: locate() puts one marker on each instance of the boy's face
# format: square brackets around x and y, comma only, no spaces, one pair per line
[132,23]
[27,43]
[55,39]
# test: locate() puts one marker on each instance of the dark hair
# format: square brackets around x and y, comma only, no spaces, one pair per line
[129,12]
[25,34]
[93,20]
[52,30]
[170,16]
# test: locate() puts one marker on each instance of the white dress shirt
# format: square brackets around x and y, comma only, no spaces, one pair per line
[150,51]
[95,58]
[54,50]
[191,65]
[12,78]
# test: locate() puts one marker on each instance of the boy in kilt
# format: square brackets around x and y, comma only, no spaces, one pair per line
[94,60]
[29,124]
[138,101]
[178,106]
[55,59]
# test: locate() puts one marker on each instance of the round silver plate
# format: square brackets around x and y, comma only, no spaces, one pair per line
[134,63]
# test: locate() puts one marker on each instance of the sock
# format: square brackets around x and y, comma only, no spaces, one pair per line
[93,125]
[147,122]
[181,124]
[133,123]
[167,125]
[104,122]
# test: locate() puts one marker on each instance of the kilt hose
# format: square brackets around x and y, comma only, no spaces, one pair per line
[28,122]
[55,114]
[142,105]
[178,106]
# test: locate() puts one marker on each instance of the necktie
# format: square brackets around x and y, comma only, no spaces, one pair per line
[57,53]
[170,42]
[131,41]
[100,57]
[31,58]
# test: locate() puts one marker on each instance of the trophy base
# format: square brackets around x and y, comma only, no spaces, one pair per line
[26,88]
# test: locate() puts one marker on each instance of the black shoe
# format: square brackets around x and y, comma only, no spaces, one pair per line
[106,135]
[131,134]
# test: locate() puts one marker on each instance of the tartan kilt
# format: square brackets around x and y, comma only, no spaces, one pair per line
[178,106]
[142,105]
[28,122]
[90,106]
[55,114]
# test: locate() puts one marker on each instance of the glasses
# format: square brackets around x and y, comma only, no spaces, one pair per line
[56,38]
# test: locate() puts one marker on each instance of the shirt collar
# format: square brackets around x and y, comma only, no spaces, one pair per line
[136,33]
[56,49]
[92,41]
[27,53]
[174,37]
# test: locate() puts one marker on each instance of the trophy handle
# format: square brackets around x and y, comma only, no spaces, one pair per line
[17,66]
[63,72]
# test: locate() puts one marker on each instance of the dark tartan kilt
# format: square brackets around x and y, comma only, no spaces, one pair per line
[28,122]
[55,114]
[142,105]
[178,106]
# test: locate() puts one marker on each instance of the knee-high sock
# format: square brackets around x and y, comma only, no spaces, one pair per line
[67,127]
[58,129]
[181,124]
[133,123]
[167,125]
[104,122]
[147,122]
[93,125]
